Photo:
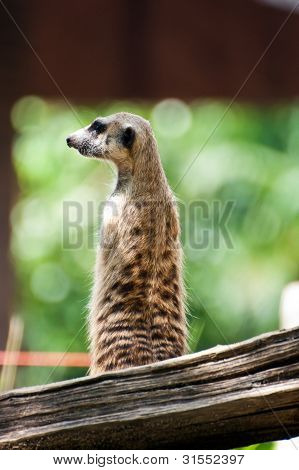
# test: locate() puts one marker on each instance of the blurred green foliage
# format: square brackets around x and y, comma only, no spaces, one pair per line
[249,157]
[262,446]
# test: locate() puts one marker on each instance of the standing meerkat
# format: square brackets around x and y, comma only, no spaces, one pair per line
[137,313]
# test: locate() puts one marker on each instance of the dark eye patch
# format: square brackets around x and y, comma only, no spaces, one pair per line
[98,126]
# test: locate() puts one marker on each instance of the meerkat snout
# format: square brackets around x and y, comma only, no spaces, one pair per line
[112,137]
[69,141]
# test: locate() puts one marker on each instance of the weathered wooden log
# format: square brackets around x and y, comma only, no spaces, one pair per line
[221,398]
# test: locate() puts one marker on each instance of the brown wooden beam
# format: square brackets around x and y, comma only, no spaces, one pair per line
[225,397]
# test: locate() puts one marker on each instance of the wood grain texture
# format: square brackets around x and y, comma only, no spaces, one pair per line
[221,398]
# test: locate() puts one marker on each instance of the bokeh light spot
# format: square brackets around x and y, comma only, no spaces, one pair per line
[49,283]
[171,118]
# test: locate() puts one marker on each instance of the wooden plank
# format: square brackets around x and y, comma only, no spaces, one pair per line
[224,397]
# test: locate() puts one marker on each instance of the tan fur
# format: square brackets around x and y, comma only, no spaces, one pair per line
[137,304]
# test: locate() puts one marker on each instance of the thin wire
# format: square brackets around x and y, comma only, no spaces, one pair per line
[66,100]
[68,103]
[259,391]
[41,63]
[194,160]
[64,354]
[188,169]
[219,122]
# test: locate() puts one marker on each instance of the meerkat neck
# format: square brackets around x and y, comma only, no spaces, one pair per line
[148,177]
[124,179]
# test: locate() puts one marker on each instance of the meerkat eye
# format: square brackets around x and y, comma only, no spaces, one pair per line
[128,137]
[98,126]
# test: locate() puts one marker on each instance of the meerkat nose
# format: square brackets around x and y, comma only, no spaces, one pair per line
[69,141]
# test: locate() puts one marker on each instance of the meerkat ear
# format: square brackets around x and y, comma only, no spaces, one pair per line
[128,137]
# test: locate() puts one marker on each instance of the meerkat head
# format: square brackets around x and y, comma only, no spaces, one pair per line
[116,137]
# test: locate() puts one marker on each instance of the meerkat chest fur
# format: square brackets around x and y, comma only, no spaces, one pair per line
[113,209]
[137,313]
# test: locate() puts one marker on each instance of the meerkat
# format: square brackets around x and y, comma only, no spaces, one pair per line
[137,312]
